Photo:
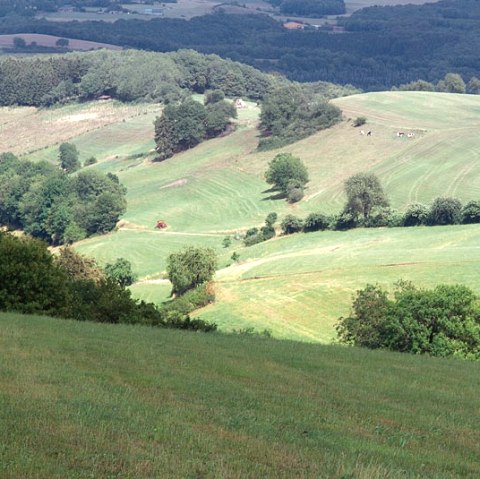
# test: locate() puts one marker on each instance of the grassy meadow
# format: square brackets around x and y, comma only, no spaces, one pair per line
[84,400]
[296,286]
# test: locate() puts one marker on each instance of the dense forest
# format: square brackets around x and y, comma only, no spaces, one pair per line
[382,46]
[309,7]
[48,204]
[128,76]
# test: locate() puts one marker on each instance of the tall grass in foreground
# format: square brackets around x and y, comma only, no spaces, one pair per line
[84,400]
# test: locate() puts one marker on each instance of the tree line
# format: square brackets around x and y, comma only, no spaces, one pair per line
[366,205]
[47,203]
[382,47]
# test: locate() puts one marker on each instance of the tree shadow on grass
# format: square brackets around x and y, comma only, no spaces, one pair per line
[275,195]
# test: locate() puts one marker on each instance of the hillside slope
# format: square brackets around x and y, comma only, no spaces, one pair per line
[218,188]
[89,400]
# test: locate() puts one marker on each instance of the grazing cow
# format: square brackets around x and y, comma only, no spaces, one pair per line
[410,135]
[362,132]
[369,133]
[400,133]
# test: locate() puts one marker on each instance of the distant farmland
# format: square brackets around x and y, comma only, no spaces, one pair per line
[6,41]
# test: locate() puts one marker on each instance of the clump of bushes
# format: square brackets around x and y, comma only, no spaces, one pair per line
[266,232]
[444,321]
[74,287]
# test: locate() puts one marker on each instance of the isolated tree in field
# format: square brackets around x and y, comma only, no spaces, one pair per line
[19,42]
[364,193]
[62,42]
[121,272]
[68,157]
[286,172]
[190,267]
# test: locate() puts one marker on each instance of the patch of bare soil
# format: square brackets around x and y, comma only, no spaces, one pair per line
[175,183]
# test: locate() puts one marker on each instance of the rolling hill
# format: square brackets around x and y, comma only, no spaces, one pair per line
[296,286]
[90,400]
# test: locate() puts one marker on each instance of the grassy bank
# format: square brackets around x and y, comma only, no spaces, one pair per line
[87,400]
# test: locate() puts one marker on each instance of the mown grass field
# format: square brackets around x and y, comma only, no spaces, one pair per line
[297,286]
[89,400]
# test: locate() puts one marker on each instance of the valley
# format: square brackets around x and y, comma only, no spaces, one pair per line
[217,189]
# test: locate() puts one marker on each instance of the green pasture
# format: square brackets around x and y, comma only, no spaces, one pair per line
[116,134]
[84,400]
[146,249]
[297,286]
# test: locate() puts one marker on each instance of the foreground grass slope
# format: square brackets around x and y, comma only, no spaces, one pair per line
[88,400]
[218,188]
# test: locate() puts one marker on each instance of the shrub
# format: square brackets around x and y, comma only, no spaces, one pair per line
[291,224]
[267,232]
[416,215]
[90,161]
[316,222]
[193,299]
[445,211]
[359,121]
[345,221]
[471,212]
[383,217]
[253,239]
[294,191]
[271,218]
[227,242]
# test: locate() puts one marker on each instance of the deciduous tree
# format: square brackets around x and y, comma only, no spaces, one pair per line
[190,267]
[286,170]
[364,192]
